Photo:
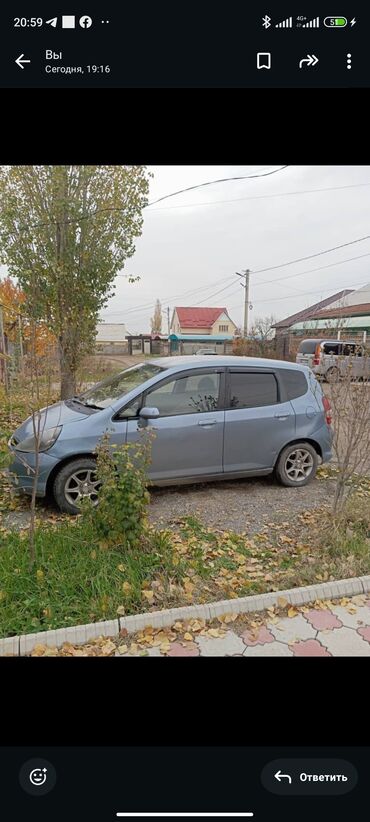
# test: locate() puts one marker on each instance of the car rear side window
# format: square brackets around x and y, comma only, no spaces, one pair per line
[251,390]
[333,348]
[295,383]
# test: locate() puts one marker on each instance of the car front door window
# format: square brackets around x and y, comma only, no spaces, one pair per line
[192,394]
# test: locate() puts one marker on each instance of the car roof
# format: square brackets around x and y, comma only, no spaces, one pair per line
[184,362]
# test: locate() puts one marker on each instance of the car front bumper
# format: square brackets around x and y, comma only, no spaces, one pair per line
[22,471]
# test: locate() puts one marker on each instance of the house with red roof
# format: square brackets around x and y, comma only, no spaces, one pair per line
[199,321]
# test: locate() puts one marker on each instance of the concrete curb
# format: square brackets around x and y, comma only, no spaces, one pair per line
[78,635]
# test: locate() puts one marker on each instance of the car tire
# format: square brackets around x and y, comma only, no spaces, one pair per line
[66,487]
[332,374]
[289,474]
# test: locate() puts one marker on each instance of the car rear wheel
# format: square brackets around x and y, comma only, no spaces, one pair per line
[297,464]
[75,482]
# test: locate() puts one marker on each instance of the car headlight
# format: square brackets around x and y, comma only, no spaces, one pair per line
[47,439]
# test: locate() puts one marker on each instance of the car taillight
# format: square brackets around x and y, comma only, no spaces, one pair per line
[316,358]
[327,409]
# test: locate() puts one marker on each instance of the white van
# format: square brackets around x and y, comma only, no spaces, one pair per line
[331,359]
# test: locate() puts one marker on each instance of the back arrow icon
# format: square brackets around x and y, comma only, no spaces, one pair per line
[20,60]
[279,776]
[311,60]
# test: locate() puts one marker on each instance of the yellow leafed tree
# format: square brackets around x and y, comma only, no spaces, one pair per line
[15,321]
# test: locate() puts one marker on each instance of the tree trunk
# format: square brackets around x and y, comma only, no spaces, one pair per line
[67,364]
[68,382]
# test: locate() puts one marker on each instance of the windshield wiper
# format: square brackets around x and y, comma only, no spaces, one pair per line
[87,404]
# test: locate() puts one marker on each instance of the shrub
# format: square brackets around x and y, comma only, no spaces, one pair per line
[121,515]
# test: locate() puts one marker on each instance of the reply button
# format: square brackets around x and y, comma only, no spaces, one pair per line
[314,777]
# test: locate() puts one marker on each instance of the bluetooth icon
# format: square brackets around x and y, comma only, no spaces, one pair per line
[266,21]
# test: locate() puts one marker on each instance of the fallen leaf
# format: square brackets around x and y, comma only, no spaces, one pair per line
[148,595]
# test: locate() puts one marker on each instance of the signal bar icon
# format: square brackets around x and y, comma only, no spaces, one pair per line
[285,24]
[312,24]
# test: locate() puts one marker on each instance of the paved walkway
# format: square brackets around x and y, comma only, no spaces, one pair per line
[338,629]
[326,628]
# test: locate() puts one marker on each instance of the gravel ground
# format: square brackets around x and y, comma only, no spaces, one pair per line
[238,505]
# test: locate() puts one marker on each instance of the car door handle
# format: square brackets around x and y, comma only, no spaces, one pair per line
[282,416]
[204,423]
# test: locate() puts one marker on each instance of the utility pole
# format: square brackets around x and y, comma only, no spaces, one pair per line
[245,275]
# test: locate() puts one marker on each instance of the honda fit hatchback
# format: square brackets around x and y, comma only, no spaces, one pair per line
[240,417]
[331,359]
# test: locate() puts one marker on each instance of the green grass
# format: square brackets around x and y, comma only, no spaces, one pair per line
[74,581]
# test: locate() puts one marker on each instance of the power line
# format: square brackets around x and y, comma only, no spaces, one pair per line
[310,256]
[214,182]
[263,196]
[310,270]
[145,306]
[165,197]
[263,282]
[279,279]
[306,294]
[292,296]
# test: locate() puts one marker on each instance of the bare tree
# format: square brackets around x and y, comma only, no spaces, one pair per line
[263,332]
[350,402]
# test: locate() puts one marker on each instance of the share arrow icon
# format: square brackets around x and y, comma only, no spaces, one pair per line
[52,22]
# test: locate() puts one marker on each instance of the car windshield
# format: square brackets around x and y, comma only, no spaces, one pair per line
[112,388]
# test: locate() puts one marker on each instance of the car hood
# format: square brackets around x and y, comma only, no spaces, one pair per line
[58,414]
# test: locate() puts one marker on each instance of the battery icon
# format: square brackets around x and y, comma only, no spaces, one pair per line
[335,22]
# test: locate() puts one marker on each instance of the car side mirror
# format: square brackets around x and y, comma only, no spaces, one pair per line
[149,413]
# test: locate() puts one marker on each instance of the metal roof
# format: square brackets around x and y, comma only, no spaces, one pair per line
[308,312]
[201,337]
[345,323]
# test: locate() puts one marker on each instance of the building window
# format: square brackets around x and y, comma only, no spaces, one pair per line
[223,327]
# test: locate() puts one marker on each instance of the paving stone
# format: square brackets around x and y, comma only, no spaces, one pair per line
[365,633]
[258,637]
[154,652]
[269,649]
[322,620]
[309,647]
[228,645]
[180,650]
[344,642]
[362,615]
[292,630]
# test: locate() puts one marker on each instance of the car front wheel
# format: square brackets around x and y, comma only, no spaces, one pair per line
[75,482]
[297,464]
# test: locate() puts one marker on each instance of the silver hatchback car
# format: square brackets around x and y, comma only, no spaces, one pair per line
[237,417]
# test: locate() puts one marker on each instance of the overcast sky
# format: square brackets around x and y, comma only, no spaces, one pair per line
[195,242]
[199,239]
